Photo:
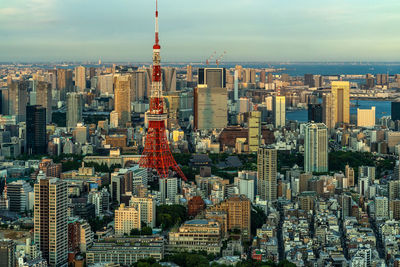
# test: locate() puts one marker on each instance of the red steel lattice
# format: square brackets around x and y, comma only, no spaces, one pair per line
[157,153]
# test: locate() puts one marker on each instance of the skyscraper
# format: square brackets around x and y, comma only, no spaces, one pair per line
[18,98]
[263,76]
[328,111]
[7,253]
[236,86]
[395,111]
[210,107]
[279,111]
[349,172]
[64,82]
[44,98]
[315,112]
[50,220]
[254,131]
[316,148]
[213,77]
[122,98]
[189,73]
[74,109]
[80,78]
[341,95]
[169,79]
[267,173]
[36,142]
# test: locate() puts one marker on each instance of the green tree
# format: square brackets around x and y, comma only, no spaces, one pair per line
[170,215]
[135,232]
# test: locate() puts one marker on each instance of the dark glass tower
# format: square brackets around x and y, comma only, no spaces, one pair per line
[315,113]
[36,130]
[395,111]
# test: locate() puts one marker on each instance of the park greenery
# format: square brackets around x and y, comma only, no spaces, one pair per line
[169,216]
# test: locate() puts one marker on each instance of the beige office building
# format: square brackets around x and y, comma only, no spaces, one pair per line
[210,108]
[349,173]
[189,73]
[44,98]
[126,219]
[279,111]
[366,117]
[267,173]
[50,220]
[254,131]
[316,148]
[122,101]
[80,78]
[328,111]
[341,95]
[147,209]
[196,235]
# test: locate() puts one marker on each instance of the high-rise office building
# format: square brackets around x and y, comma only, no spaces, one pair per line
[382,207]
[395,111]
[279,111]
[44,98]
[366,117]
[263,76]
[18,196]
[394,190]
[189,73]
[254,131]
[64,82]
[147,209]
[18,99]
[80,78]
[316,148]
[212,77]
[106,84]
[168,189]
[349,173]
[267,173]
[328,111]
[139,86]
[341,95]
[36,139]
[169,79]
[382,79]
[51,220]
[315,112]
[122,98]
[236,86]
[7,253]
[210,107]
[367,171]
[74,109]
[370,81]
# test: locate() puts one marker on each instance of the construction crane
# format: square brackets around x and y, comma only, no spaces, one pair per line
[218,61]
[210,58]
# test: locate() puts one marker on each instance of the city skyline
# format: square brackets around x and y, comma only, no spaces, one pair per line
[252,30]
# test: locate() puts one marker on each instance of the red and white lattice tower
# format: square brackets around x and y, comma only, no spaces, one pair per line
[157,154]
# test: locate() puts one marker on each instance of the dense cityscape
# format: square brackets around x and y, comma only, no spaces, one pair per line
[215,163]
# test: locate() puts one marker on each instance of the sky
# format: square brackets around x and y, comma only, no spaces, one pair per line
[191,30]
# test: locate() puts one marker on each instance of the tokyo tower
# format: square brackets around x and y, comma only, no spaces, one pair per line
[157,154]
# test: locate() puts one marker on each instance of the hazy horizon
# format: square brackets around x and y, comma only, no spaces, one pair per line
[248,30]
